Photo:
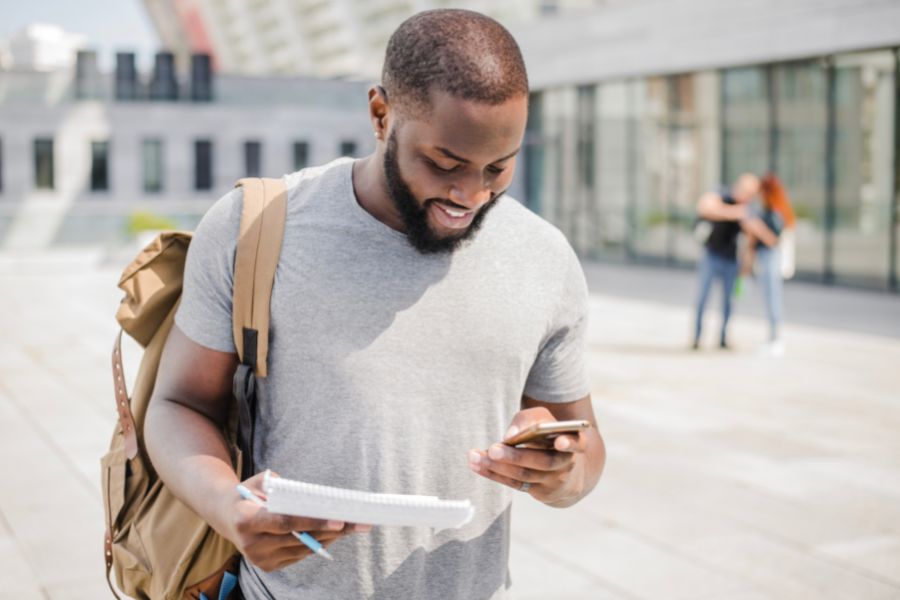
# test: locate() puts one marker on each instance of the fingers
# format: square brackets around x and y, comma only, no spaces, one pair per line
[571,442]
[526,418]
[287,523]
[483,468]
[520,474]
[271,552]
[538,460]
[255,483]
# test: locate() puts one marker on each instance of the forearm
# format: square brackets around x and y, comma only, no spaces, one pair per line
[192,457]
[748,257]
[712,208]
[758,230]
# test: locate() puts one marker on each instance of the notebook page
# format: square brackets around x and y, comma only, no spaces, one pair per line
[298,498]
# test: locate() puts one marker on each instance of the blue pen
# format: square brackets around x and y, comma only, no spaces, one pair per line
[308,540]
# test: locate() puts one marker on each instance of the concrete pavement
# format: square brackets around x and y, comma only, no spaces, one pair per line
[730,475]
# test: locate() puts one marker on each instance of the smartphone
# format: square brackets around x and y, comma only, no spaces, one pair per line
[543,434]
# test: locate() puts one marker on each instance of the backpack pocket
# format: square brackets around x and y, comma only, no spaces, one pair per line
[112,475]
[123,484]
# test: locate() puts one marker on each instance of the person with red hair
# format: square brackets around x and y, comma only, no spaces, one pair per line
[727,214]
[773,255]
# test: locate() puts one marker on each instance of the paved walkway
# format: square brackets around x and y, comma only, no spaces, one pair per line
[730,475]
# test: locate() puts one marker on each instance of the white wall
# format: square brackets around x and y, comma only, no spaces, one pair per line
[656,37]
[37,214]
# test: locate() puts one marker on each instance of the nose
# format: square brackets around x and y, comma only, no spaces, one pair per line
[471,193]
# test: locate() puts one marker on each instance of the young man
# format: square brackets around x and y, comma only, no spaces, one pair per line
[417,317]
[729,216]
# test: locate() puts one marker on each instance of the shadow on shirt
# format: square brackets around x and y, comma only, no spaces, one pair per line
[472,570]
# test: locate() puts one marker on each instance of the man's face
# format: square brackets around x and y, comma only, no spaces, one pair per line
[746,188]
[446,168]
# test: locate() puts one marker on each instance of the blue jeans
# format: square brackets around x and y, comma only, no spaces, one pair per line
[712,267]
[769,277]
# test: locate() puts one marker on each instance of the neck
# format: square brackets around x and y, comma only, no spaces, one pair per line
[370,189]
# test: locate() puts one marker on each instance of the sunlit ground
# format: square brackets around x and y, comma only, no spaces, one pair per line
[730,475]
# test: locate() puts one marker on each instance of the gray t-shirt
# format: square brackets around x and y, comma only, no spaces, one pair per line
[387,366]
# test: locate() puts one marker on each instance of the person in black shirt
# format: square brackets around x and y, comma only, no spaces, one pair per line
[727,211]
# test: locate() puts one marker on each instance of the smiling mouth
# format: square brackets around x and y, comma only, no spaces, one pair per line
[454,212]
[452,217]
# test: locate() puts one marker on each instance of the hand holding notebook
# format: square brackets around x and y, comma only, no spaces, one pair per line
[290,497]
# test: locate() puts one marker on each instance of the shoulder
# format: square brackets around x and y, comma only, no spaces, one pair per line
[516,225]
[329,175]
[222,220]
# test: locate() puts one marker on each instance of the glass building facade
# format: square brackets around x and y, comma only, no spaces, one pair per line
[619,165]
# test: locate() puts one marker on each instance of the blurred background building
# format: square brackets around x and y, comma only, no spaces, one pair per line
[91,158]
[638,107]
[324,38]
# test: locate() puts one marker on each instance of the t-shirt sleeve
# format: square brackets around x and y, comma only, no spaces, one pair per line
[204,314]
[559,373]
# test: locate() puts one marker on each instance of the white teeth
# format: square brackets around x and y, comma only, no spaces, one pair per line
[453,213]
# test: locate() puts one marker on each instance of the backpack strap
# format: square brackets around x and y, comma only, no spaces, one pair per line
[258,250]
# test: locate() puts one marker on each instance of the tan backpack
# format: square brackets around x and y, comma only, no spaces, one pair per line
[157,547]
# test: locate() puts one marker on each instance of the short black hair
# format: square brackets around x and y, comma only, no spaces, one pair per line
[462,52]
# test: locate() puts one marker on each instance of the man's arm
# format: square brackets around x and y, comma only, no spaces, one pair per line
[712,208]
[184,425]
[559,477]
[757,229]
[184,436]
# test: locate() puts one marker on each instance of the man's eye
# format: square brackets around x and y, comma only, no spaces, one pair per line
[441,169]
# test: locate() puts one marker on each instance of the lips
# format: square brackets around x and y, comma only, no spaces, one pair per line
[452,217]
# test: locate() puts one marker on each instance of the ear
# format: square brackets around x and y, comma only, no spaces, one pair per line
[378,111]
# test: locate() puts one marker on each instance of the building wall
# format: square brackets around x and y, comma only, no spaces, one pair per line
[72,214]
[827,126]
[658,37]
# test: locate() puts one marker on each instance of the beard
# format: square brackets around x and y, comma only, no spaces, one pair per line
[414,214]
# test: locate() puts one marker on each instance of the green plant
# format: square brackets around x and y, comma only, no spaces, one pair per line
[146,221]
[804,212]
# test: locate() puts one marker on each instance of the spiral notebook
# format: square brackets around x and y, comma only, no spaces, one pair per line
[288,497]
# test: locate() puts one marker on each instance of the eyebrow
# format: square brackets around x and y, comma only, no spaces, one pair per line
[449,154]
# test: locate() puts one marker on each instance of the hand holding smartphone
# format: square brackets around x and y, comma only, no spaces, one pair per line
[542,435]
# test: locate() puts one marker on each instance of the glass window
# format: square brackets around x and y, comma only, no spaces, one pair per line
[252,159]
[863,173]
[203,164]
[584,217]
[746,122]
[534,152]
[613,169]
[650,213]
[152,152]
[348,148]
[99,166]
[800,93]
[693,158]
[43,163]
[558,197]
[587,100]
[301,155]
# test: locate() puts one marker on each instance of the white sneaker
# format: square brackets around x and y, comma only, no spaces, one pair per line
[774,349]
[777,348]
